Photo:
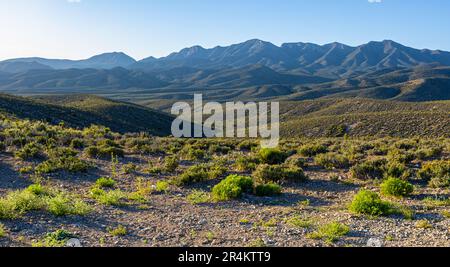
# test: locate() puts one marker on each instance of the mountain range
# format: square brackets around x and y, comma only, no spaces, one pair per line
[252,69]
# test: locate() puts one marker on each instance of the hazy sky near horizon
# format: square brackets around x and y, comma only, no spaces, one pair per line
[77,29]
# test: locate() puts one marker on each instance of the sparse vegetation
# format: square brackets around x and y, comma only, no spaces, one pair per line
[143,174]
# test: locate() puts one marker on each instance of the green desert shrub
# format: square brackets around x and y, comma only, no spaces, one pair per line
[232,187]
[38,197]
[277,173]
[332,161]
[105,182]
[396,170]
[294,174]
[396,187]
[272,156]
[219,149]
[402,156]
[201,173]
[54,239]
[118,231]
[269,189]
[192,153]
[437,173]
[312,150]
[70,164]
[246,163]
[104,149]
[296,161]
[330,232]
[63,204]
[162,187]
[369,203]
[198,197]
[29,151]
[171,164]
[373,169]
[39,190]
[194,174]
[111,198]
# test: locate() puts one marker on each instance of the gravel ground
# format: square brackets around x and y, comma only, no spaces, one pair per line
[169,220]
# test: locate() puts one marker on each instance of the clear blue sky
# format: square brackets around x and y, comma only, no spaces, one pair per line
[81,28]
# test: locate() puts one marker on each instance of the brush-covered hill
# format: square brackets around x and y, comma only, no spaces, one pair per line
[365,117]
[85,110]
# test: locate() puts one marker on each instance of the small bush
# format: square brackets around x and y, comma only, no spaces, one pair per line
[312,150]
[38,190]
[118,231]
[105,182]
[62,204]
[424,224]
[70,164]
[245,163]
[272,156]
[331,232]
[194,174]
[368,170]
[111,198]
[396,187]
[296,161]
[369,203]
[37,197]
[299,222]
[104,150]
[232,187]
[199,197]
[276,173]
[200,173]
[332,161]
[396,170]
[294,174]
[437,173]
[171,164]
[270,189]
[401,156]
[191,153]
[143,190]
[162,186]
[29,151]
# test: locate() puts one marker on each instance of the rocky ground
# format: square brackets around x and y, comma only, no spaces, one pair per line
[169,219]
